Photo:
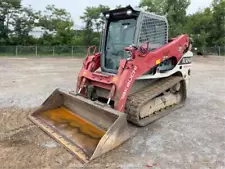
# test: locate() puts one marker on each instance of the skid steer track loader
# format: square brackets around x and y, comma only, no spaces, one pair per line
[139,76]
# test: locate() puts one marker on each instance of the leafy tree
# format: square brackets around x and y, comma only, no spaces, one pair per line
[58,23]
[155,6]
[7,9]
[47,39]
[199,26]
[176,14]
[92,16]
[78,38]
[207,27]
[218,17]
[23,23]
[93,22]
[174,9]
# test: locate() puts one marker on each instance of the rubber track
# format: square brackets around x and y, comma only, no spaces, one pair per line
[137,100]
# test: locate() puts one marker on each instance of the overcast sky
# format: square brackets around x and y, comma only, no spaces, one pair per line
[76,7]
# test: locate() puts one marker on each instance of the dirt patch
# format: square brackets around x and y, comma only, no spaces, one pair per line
[24,145]
[14,119]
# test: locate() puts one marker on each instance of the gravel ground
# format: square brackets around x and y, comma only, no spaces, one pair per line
[191,137]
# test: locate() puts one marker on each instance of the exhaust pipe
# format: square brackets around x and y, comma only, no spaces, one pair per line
[86,129]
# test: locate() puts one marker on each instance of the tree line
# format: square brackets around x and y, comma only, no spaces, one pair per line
[206,27]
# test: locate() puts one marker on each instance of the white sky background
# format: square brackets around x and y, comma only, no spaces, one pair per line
[76,7]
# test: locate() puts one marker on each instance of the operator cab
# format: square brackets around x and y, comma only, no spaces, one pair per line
[120,33]
[125,27]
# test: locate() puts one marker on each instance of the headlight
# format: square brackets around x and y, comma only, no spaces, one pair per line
[107,16]
[129,12]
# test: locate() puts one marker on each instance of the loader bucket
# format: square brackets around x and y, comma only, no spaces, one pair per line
[86,129]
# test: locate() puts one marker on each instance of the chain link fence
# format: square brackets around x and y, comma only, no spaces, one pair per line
[44,51]
[79,51]
[216,51]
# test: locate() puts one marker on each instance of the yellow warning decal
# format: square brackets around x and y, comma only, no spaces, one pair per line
[85,73]
[115,78]
[158,61]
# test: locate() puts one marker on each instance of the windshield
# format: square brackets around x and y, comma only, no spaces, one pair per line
[120,34]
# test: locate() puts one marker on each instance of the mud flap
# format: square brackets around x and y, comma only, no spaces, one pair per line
[84,128]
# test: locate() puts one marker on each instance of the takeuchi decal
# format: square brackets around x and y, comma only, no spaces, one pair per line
[186,60]
[129,82]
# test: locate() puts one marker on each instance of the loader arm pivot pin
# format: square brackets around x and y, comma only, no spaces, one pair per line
[79,90]
[82,85]
[111,94]
[108,101]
